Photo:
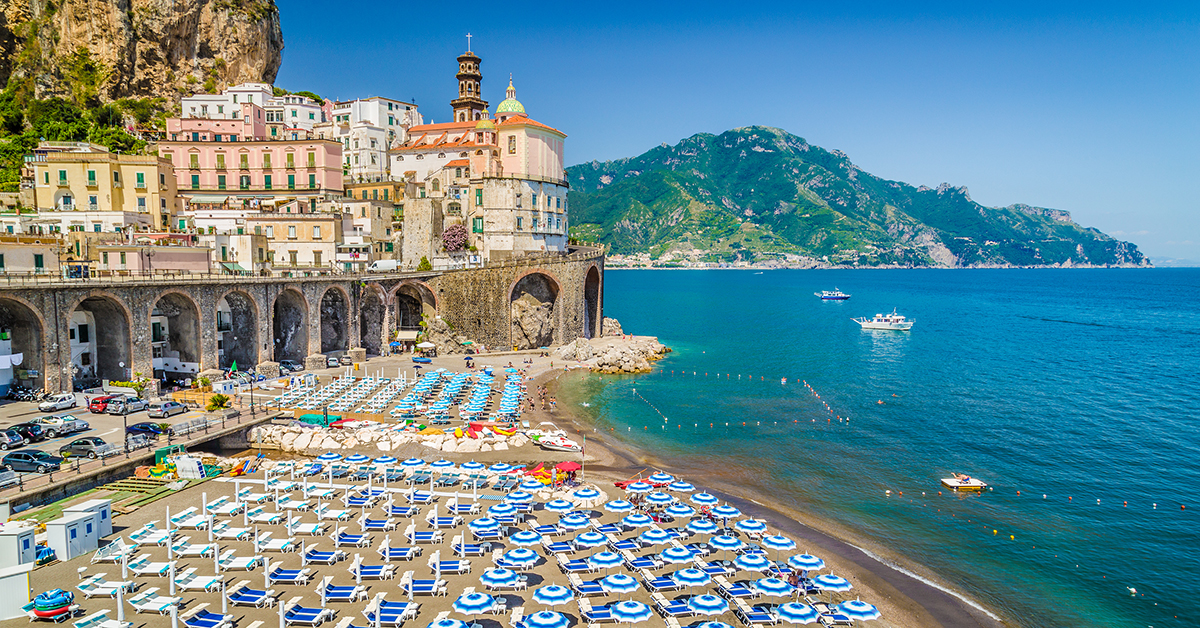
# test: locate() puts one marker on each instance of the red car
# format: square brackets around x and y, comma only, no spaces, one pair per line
[100,404]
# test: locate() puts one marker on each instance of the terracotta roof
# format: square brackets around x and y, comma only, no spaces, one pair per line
[458,162]
[527,121]
[442,126]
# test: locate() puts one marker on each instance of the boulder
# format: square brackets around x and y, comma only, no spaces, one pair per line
[450,446]
[468,446]
[500,447]
[302,441]
[384,445]
[485,447]
[611,327]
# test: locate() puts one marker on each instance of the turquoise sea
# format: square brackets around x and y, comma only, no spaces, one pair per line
[1074,393]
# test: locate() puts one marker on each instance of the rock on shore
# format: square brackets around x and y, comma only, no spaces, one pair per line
[615,354]
[441,334]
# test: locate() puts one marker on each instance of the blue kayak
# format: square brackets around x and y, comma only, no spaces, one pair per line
[422,360]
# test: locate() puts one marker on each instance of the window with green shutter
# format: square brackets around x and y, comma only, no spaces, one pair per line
[479,197]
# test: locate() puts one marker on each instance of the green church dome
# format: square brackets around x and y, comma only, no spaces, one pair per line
[510,105]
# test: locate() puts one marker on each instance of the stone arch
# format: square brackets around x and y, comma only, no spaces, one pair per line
[175,336]
[99,349]
[413,299]
[532,299]
[372,311]
[335,320]
[592,310]
[22,330]
[237,329]
[290,326]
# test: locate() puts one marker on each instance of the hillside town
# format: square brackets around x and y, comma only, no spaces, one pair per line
[247,182]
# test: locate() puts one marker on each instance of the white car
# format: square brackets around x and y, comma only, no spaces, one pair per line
[61,401]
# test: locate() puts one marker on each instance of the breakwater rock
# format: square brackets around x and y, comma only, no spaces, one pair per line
[628,354]
[382,437]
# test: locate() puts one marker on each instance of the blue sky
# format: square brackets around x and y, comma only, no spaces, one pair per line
[1089,107]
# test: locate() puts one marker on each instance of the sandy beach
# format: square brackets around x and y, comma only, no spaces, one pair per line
[904,600]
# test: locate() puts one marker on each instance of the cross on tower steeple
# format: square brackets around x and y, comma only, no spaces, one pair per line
[470,103]
[468,42]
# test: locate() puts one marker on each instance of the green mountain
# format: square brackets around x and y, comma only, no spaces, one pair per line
[760,193]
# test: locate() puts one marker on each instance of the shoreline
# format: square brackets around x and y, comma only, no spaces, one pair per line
[907,593]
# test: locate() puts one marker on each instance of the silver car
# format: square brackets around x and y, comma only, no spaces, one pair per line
[126,405]
[61,401]
[164,409]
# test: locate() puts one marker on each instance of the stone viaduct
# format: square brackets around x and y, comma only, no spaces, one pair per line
[525,302]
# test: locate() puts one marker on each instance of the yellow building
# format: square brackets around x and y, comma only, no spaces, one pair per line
[301,244]
[95,190]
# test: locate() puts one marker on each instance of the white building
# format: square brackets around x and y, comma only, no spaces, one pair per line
[367,129]
[290,111]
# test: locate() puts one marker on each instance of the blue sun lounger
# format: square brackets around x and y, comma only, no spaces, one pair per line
[336,593]
[487,535]
[402,511]
[289,576]
[353,540]
[607,528]
[399,553]
[206,619]
[359,501]
[585,587]
[453,566]
[624,545]
[392,613]
[549,530]
[419,536]
[419,497]
[463,509]
[558,547]
[377,525]
[712,569]
[469,549]
[251,597]
[308,616]
[424,587]
[595,614]
[374,572]
[313,555]
[640,562]
[573,566]
[753,614]
[659,583]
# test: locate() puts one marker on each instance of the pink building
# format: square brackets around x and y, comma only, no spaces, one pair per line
[251,125]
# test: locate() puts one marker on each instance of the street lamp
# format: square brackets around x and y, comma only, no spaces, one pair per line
[150,253]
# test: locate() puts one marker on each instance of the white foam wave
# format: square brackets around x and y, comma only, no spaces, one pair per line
[966,600]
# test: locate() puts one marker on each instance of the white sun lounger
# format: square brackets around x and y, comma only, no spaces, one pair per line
[184,548]
[150,535]
[225,531]
[113,552]
[189,581]
[325,512]
[143,567]
[229,561]
[267,544]
[308,529]
[97,586]
[149,601]
[258,515]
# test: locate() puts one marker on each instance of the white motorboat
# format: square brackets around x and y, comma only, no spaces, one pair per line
[893,322]
[836,295]
[559,443]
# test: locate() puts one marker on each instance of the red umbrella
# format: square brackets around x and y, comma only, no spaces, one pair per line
[568,466]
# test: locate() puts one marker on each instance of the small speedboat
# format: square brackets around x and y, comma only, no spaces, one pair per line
[892,322]
[836,295]
[559,443]
[963,482]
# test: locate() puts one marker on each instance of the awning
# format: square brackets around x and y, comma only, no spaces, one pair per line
[208,199]
[234,266]
[406,335]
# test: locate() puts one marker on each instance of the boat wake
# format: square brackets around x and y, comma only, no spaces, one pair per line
[966,600]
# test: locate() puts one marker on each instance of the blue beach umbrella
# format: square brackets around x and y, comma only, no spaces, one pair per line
[329,456]
[778,542]
[574,522]
[773,587]
[659,499]
[472,466]
[637,520]
[605,560]
[447,623]
[832,583]
[797,613]
[639,487]
[474,603]
[498,578]
[691,577]
[501,510]
[680,511]
[559,506]
[521,557]
[655,536]
[751,526]
[859,610]
[519,497]
[531,485]
[752,562]
[483,524]
[500,467]
[629,611]
[707,604]
[661,478]
[704,499]
[725,543]
[725,511]
[510,370]
[702,526]
[586,494]
[805,562]
[357,459]
[525,537]
[677,555]
[441,465]
[385,460]
[413,463]
[553,595]
[618,583]
[546,619]
[590,539]
[681,487]
[618,506]
[712,624]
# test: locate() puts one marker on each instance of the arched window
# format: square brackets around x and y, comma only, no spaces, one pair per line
[436,185]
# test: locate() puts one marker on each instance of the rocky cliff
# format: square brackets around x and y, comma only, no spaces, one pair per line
[80,49]
[632,354]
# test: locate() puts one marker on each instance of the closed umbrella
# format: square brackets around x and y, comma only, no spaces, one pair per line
[797,613]
[618,506]
[859,610]
[707,604]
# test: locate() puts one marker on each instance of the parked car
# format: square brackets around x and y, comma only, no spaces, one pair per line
[10,439]
[332,362]
[61,424]
[164,409]
[30,432]
[291,365]
[284,371]
[61,401]
[347,360]
[99,405]
[146,428]
[125,404]
[82,447]
[35,460]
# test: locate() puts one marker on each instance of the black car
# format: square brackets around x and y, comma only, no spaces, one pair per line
[30,432]
[146,428]
[38,461]
[82,447]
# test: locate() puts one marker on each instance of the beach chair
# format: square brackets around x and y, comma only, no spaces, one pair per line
[420,477]
[422,587]
[183,548]
[558,547]
[376,525]
[493,534]
[258,515]
[308,616]
[307,529]
[97,586]
[446,479]
[242,595]
[386,613]
[402,511]
[463,509]
[416,537]
[149,601]
[830,615]
[548,530]
[465,549]
[287,503]
[113,552]
[230,562]
[358,501]
[373,572]
[594,614]
[606,528]
[314,555]
[640,562]
[226,531]
[670,608]
[150,535]
[568,566]
[515,620]
[450,566]
[389,553]
[282,486]
[190,519]
[289,576]
[189,581]
[624,545]
[99,619]
[142,566]
[584,588]
[752,615]
[320,492]
[255,498]
[203,618]
[419,497]
[699,549]
[444,522]
[335,593]
[265,543]
[712,569]
[730,591]
[342,538]
[324,512]
[228,509]
[659,583]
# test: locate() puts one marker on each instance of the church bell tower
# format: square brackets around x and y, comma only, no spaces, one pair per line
[470,103]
